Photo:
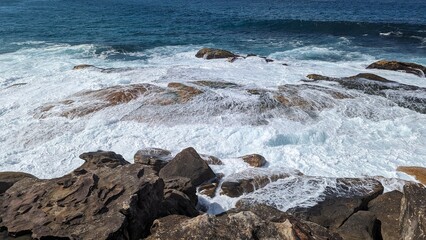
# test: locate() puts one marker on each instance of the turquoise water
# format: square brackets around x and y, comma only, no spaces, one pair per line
[382,28]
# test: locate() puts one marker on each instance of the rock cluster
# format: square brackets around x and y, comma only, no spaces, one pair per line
[155,198]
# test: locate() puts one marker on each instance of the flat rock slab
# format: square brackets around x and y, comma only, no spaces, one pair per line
[412,68]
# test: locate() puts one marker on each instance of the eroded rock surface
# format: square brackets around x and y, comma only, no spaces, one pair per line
[254,160]
[413,212]
[418,172]
[412,68]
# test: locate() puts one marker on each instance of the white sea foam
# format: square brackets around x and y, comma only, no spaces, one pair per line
[364,136]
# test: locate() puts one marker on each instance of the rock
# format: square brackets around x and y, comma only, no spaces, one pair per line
[238,224]
[99,200]
[413,212]
[387,209]
[418,172]
[317,77]
[249,180]
[347,197]
[209,188]
[82,66]
[412,68]
[232,59]
[155,157]
[188,164]
[212,53]
[7,179]
[361,225]
[216,84]
[184,185]
[211,160]
[185,93]
[254,160]
[177,203]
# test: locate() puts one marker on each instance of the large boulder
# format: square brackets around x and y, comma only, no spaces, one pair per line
[387,209]
[259,223]
[213,53]
[339,202]
[188,164]
[413,212]
[412,68]
[105,198]
[254,160]
[155,157]
[361,225]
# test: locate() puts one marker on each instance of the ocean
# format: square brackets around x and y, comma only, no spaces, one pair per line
[155,42]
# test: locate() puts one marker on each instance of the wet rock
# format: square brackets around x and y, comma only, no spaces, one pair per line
[418,172]
[249,180]
[177,202]
[99,200]
[238,224]
[387,209]
[232,59]
[413,212]
[348,196]
[155,157]
[254,160]
[82,66]
[188,164]
[412,68]
[183,185]
[216,84]
[7,179]
[211,160]
[209,188]
[361,225]
[212,53]
[184,92]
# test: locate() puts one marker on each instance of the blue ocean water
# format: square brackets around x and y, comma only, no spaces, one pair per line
[381,28]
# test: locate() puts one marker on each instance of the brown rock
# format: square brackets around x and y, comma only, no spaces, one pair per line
[387,209]
[155,157]
[211,160]
[190,165]
[413,212]
[412,68]
[418,172]
[212,53]
[317,77]
[254,160]
[185,93]
[216,84]
[361,225]
[82,66]
[7,179]
[106,198]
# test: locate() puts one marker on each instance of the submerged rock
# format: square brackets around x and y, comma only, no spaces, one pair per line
[418,172]
[412,68]
[188,164]
[258,222]
[105,198]
[212,53]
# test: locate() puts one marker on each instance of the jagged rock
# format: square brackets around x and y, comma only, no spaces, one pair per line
[105,198]
[412,68]
[155,157]
[238,224]
[7,179]
[211,160]
[408,96]
[249,180]
[387,208]
[188,164]
[418,172]
[254,160]
[176,202]
[212,53]
[348,196]
[413,212]
[209,188]
[361,225]
[82,66]
[183,185]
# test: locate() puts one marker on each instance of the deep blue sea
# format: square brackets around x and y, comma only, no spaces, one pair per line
[381,28]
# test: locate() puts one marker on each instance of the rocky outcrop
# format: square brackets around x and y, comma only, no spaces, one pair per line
[361,225]
[188,164]
[179,198]
[260,222]
[155,157]
[418,172]
[249,180]
[254,160]
[387,209]
[212,53]
[105,198]
[211,160]
[7,179]
[413,212]
[412,68]
[348,197]
[408,96]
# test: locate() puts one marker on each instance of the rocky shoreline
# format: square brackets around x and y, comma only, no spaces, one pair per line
[156,198]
